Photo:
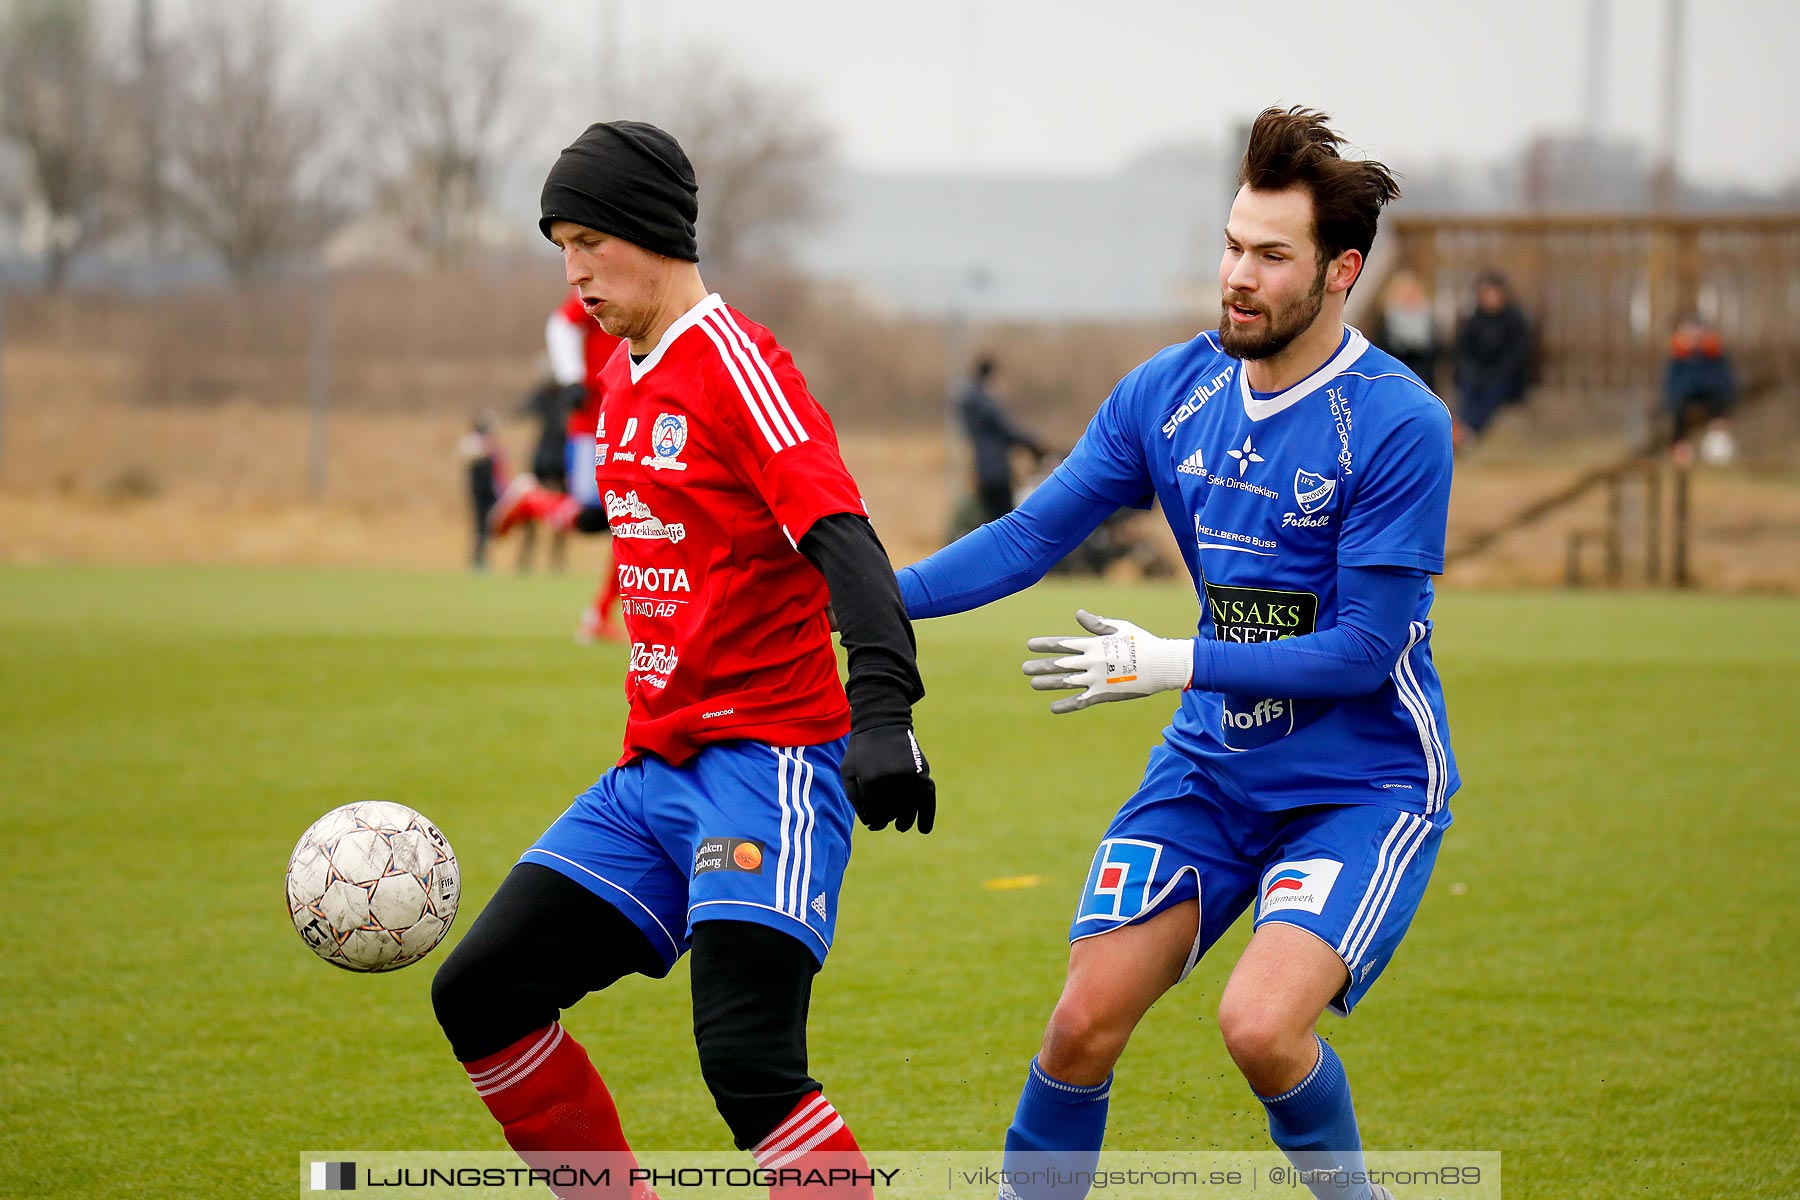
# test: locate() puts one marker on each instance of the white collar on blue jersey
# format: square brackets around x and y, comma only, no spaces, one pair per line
[1262,410]
[682,323]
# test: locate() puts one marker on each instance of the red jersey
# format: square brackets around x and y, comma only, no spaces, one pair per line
[713,460]
[597,347]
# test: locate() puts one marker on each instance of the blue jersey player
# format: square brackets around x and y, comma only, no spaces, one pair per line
[1306,475]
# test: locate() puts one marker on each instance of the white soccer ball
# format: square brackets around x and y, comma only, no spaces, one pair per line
[372,886]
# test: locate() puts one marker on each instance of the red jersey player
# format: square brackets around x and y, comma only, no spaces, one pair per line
[579,349]
[725,827]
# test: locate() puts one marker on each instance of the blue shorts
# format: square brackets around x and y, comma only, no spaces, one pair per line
[742,831]
[578,470]
[1351,874]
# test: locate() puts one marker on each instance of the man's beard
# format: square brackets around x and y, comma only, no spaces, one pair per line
[1279,328]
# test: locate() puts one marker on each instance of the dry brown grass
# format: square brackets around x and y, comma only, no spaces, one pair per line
[89,476]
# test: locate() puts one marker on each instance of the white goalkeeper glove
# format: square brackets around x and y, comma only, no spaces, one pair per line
[1122,663]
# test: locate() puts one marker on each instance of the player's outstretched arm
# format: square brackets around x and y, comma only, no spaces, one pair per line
[1352,658]
[1004,556]
[885,772]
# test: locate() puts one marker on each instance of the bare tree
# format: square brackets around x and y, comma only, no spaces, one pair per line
[760,150]
[443,94]
[246,155]
[56,88]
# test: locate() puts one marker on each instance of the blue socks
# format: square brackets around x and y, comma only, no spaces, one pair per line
[1315,1126]
[1053,1143]
[1055,1134]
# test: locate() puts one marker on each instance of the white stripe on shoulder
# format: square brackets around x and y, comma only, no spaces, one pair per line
[753,354]
[1399,375]
[1388,375]
[749,380]
[743,386]
[760,389]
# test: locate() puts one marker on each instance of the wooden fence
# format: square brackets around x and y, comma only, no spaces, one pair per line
[1603,291]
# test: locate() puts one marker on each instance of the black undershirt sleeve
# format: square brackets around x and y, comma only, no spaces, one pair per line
[884,674]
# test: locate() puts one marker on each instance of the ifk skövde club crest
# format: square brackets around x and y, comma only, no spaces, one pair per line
[1312,491]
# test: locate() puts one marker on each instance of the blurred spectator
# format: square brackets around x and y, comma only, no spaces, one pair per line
[567,497]
[485,464]
[550,405]
[1698,393]
[1405,327]
[992,435]
[1493,357]
[1119,538]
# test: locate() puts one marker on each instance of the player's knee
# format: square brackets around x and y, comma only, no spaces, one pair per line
[457,996]
[1082,1041]
[1258,1036]
[483,1007]
[478,1010]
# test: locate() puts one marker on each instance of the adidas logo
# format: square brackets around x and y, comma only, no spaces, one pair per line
[818,905]
[1192,465]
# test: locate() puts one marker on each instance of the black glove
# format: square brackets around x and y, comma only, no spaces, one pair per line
[888,779]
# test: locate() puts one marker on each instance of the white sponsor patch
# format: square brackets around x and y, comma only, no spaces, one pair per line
[1302,885]
[630,517]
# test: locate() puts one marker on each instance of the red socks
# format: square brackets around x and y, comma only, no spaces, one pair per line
[551,1102]
[814,1141]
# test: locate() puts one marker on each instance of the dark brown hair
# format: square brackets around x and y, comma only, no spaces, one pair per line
[1293,147]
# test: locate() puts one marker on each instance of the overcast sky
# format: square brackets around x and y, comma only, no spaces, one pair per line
[1029,85]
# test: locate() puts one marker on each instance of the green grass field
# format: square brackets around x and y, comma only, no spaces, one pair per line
[1603,983]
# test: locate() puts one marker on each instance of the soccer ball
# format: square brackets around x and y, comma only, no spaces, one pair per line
[372,886]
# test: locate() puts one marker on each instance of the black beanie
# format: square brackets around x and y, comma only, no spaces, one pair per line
[628,179]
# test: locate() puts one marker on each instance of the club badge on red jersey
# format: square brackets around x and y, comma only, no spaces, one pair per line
[668,437]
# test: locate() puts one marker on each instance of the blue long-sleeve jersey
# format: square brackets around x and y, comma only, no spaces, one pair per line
[1310,520]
